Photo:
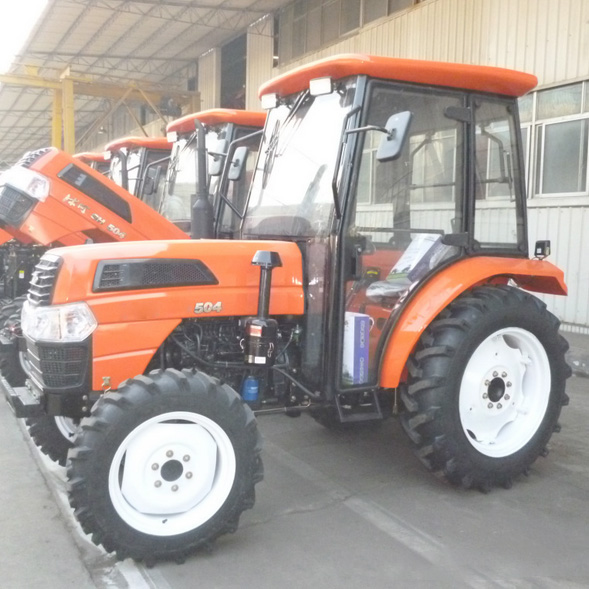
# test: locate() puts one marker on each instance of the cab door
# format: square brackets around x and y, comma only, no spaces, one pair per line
[398,214]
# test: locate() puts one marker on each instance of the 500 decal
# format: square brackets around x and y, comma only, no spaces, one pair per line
[208,307]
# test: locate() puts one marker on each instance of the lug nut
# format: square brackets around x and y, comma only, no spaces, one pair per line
[499,405]
[487,383]
[186,458]
[174,487]
[495,373]
[504,374]
[508,384]
[157,484]
[188,475]
[485,396]
[155,466]
[169,453]
[506,397]
[490,405]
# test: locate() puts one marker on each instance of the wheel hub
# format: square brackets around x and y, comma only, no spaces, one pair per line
[497,388]
[504,391]
[155,481]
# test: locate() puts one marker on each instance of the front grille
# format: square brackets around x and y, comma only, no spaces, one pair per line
[149,273]
[58,366]
[14,206]
[30,157]
[43,280]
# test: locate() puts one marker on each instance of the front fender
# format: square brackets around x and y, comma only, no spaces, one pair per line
[444,287]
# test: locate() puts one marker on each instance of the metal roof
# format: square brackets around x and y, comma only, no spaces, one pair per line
[151,43]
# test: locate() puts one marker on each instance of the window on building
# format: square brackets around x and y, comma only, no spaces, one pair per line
[556,122]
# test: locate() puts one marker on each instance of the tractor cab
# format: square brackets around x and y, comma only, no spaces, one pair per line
[219,127]
[385,172]
[137,163]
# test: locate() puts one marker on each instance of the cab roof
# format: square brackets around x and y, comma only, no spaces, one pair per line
[91,156]
[217,116]
[131,142]
[434,73]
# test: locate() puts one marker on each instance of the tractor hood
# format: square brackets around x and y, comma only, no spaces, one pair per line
[168,279]
[53,198]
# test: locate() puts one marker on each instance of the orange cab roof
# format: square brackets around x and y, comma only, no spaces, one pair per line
[90,156]
[130,142]
[217,116]
[435,73]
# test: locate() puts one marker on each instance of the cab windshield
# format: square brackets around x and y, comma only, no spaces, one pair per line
[182,178]
[291,192]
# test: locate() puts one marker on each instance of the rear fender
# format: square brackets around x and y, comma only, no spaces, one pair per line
[443,288]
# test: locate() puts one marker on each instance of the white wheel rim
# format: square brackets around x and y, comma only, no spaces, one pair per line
[67,426]
[172,473]
[504,392]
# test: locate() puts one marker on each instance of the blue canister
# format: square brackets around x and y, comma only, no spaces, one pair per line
[250,389]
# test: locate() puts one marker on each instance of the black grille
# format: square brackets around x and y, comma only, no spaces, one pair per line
[58,366]
[43,280]
[96,190]
[14,206]
[141,273]
[110,277]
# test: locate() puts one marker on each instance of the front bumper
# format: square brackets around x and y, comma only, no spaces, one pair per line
[24,401]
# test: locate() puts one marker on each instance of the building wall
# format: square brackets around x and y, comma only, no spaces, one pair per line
[260,49]
[549,38]
[209,79]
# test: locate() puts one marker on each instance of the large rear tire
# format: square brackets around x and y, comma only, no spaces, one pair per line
[164,466]
[486,386]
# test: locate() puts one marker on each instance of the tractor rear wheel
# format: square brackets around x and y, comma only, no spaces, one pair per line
[53,435]
[486,386]
[164,466]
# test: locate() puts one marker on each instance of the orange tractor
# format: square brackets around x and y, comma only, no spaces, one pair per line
[137,163]
[380,270]
[60,201]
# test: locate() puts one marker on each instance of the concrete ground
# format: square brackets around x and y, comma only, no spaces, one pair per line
[345,510]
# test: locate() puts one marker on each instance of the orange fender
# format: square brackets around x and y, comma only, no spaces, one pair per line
[443,288]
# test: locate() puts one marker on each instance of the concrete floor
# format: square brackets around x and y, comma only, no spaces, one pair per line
[343,510]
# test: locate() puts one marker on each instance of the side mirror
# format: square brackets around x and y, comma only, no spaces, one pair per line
[152,180]
[217,157]
[391,145]
[237,163]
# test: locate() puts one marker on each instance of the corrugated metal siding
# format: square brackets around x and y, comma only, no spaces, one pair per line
[209,79]
[260,47]
[564,225]
[549,38]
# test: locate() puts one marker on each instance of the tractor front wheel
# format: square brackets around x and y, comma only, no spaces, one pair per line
[164,466]
[486,386]
[53,435]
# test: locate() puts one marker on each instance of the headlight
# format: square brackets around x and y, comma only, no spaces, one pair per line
[24,180]
[73,322]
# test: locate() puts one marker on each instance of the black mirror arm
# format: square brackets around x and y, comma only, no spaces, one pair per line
[338,158]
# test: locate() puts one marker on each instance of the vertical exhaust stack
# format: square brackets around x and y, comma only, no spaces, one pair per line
[261,331]
[202,220]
